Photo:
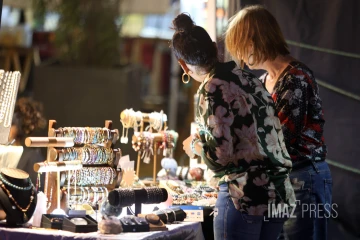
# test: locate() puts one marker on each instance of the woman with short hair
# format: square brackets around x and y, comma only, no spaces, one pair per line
[254,37]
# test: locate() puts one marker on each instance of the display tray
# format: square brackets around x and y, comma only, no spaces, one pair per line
[129,225]
[91,226]
[53,221]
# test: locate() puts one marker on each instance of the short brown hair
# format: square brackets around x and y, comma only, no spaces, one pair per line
[256,25]
[28,116]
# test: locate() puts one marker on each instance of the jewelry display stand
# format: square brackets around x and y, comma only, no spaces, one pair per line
[57,167]
[158,123]
[9,85]
[128,197]
[157,140]
[17,196]
[86,159]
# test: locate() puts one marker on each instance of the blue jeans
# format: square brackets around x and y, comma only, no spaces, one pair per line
[230,223]
[313,190]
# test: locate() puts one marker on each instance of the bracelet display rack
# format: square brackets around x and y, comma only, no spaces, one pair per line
[86,160]
[150,142]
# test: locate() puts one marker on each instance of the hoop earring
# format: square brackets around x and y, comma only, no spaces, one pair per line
[250,64]
[242,64]
[188,78]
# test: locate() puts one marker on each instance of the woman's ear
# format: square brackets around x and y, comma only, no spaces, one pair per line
[183,65]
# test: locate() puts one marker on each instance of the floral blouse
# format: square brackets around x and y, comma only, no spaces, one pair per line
[299,108]
[242,139]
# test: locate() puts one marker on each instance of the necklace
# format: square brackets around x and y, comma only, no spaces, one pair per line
[4,95]
[3,180]
[2,73]
[12,98]
[24,210]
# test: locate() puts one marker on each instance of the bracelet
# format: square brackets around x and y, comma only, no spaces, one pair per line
[192,145]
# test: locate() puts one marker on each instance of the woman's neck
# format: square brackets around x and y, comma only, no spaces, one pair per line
[275,67]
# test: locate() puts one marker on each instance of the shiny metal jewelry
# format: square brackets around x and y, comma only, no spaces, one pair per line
[13,93]
[187,78]
[251,55]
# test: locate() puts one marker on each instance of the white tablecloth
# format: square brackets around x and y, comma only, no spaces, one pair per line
[182,231]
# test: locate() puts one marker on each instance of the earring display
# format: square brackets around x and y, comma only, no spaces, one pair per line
[143,143]
[155,137]
[9,84]
[169,139]
[131,119]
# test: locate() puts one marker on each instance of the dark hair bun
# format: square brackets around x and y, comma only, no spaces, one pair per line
[183,23]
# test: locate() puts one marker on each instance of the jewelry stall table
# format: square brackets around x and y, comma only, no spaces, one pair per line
[181,231]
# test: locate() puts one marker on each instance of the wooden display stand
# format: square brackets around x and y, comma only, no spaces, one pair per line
[54,163]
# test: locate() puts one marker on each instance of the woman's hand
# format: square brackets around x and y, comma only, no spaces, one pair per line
[187,148]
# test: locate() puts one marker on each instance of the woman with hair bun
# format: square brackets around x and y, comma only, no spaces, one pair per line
[239,138]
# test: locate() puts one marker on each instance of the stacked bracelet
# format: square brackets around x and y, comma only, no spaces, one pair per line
[192,145]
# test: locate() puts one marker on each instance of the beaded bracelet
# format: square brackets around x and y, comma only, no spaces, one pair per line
[192,145]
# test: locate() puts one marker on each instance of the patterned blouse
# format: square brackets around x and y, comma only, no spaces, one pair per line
[298,106]
[242,139]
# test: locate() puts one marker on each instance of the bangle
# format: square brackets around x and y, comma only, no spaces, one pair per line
[192,145]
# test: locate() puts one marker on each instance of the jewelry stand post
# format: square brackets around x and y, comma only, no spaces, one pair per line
[57,167]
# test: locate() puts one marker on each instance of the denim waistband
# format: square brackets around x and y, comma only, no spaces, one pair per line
[309,165]
[224,187]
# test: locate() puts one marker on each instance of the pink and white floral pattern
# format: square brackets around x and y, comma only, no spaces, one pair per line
[220,123]
[242,139]
[248,147]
